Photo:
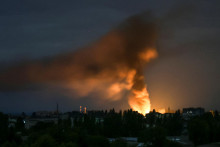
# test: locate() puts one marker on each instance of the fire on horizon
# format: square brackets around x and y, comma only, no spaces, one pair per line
[167,57]
[112,67]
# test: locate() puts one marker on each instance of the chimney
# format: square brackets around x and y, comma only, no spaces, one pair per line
[80,109]
[85,110]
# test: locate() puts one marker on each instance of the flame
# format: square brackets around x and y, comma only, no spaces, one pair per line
[140,101]
[162,111]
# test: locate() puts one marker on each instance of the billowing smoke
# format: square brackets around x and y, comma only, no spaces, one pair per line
[108,67]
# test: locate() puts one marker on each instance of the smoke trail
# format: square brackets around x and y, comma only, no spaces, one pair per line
[108,67]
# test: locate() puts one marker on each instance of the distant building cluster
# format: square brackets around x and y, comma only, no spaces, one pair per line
[190,112]
[53,116]
[100,118]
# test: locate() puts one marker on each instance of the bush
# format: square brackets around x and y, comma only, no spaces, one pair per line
[119,143]
[45,141]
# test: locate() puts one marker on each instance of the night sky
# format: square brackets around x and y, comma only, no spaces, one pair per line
[185,74]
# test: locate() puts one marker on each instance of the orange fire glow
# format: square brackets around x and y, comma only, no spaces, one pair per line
[139,101]
[162,111]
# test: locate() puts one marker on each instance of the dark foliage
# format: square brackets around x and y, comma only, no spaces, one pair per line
[93,129]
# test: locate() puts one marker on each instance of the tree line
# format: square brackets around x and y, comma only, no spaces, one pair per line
[85,131]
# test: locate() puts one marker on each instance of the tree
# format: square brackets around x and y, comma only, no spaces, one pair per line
[13,137]
[19,124]
[119,143]
[97,141]
[174,124]
[169,143]
[198,131]
[112,124]
[44,140]
[9,144]
[3,127]
[155,136]
[151,118]
[69,144]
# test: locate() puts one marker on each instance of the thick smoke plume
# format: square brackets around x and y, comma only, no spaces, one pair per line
[108,67]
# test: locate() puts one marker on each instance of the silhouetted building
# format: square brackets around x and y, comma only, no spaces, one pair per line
[190,112]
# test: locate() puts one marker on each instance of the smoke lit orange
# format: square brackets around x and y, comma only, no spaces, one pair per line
[109,68]
[139,101]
